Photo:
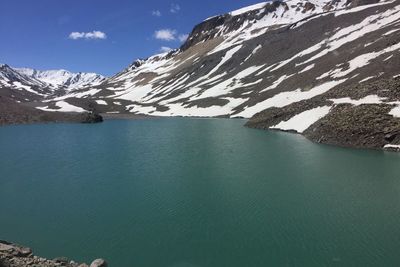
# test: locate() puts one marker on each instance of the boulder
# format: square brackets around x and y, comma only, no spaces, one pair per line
[61,260]
[25,252]
[92,118]
[99,263]
[390,137]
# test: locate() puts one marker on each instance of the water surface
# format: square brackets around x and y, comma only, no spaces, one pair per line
[196,192]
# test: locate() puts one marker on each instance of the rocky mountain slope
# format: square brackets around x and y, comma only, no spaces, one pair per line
[21,113]
[321,68]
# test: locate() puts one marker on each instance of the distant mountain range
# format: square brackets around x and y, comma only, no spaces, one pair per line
[63,78]
[326,69]
[45,83]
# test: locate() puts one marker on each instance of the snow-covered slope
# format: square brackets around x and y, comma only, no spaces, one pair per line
[63,78]
[20,86]
[259,18]
[8,74]
[268,55]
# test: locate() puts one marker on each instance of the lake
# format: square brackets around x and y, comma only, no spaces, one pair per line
[196,192]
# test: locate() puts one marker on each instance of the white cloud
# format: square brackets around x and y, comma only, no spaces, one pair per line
[87,35]
[175,8]
[96,35]
[165,49]
[76,35]
[156,13]
[165,35]
[183,37]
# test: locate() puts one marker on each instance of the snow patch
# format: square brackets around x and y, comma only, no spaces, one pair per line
[310,67]
[64,107]
[247,9]
[304,120]
[371,99]
[101,102]
[395,112]
[276,83]
[392,147]
[366,79]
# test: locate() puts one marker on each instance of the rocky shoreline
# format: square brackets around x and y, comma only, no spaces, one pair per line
[13,255]
[366,127]
[360,125]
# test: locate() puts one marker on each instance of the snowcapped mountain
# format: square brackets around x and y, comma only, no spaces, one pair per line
[27,85]
[326,69]
[8,74]
[246,61]
[63,78]
[19,86]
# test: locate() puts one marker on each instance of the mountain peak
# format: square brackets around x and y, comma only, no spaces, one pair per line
[248,9]
[2,65]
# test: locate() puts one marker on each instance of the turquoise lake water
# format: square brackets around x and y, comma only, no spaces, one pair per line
[196,193]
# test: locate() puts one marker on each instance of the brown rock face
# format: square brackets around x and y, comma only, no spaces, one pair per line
[308,6]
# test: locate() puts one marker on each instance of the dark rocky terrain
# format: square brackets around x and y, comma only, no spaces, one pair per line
[361,126]
[15,113]
[12,255]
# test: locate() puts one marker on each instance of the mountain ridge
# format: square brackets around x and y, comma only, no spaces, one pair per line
[34,85]
[63,78]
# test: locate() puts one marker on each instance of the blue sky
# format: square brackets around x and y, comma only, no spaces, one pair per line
[102,36]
